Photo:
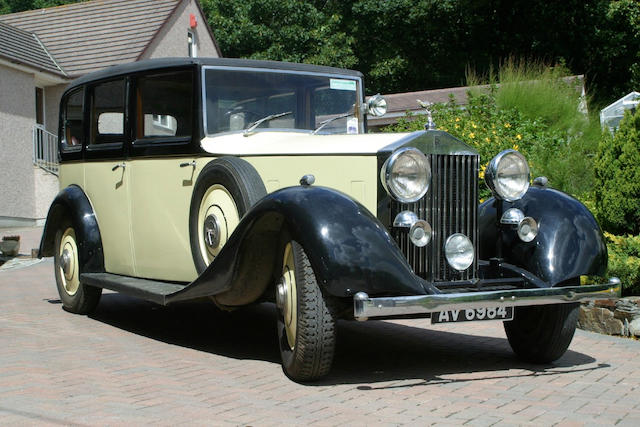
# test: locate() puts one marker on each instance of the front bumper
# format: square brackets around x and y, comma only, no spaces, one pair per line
[365,307]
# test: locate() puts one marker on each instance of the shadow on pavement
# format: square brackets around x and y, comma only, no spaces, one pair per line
[367,352]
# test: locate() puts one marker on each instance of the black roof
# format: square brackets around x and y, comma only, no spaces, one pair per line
[159,63]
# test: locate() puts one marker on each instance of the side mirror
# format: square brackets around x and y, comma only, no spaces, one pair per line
[377,105]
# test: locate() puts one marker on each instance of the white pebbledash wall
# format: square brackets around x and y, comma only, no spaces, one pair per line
[17,117]
[172,39]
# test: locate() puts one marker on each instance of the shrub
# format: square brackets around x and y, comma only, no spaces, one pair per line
[533,111]
[624,261]
[617,172]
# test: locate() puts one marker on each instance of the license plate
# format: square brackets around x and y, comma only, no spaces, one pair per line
[470,315]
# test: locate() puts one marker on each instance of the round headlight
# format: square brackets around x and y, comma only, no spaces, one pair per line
[377,106]
[508,175]
[406,175]
[459,251]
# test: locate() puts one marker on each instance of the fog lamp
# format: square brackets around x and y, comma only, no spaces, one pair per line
[420,233]
[527,229]
[459,252]
[512,216]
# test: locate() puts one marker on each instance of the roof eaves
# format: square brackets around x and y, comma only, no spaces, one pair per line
[17,61]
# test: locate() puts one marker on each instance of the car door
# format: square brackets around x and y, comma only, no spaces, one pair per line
[106,174]
[163,172]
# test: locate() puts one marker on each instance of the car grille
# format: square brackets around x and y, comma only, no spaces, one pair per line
[450,206]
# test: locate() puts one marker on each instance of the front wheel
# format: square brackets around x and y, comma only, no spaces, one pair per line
[542,334]
[306,319]
[76,297]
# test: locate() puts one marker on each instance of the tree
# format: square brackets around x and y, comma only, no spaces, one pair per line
[282,30]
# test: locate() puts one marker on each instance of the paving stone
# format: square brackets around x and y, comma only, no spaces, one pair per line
[132,362]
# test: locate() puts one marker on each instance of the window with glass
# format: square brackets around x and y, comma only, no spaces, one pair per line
[107,113]
[72,125]
[164,106]
[236,100]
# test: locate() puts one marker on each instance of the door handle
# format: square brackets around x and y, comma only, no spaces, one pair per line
[192,163]
[119,165]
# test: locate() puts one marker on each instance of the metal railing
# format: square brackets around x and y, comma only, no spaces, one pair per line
[45,150]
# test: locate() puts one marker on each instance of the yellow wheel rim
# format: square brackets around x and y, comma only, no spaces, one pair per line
[217,207]
[290,309]
[68,265]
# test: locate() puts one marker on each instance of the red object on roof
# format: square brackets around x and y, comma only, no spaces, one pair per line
[193,22]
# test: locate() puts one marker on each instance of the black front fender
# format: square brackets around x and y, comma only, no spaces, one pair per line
[569,242]
[72,206]
[349,249]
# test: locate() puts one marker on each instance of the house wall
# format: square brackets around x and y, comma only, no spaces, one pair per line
[52,95]
[17,118]
[172,39]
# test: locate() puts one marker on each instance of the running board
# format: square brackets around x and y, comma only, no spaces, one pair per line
[150,290]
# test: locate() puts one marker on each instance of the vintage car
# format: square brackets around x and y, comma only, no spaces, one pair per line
[254,181]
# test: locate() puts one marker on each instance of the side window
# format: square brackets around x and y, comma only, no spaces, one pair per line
[164,106]
[72,135]
[107,113]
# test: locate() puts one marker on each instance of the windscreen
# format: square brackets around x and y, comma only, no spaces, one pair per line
[237,99]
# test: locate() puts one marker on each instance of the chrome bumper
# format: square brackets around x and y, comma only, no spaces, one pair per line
[365,307]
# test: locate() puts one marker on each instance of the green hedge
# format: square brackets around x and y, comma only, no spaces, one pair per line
[624,261]
[617,171]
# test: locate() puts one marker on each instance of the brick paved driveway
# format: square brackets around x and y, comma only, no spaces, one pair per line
[133,362]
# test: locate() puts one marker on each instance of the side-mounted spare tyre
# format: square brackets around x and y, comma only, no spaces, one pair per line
[225,190]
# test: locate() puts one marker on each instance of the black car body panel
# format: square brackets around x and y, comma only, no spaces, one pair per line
[569,242]
[349,249]
[72,204]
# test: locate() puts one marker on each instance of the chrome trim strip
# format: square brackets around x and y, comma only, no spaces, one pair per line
[365,307]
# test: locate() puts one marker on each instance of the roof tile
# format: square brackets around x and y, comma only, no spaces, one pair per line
[85,36]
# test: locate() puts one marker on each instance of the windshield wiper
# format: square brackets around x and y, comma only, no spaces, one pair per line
[257,123]
[332,119]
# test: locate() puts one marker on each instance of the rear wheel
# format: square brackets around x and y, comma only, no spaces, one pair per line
[542,334]
[76,297]
[306,319]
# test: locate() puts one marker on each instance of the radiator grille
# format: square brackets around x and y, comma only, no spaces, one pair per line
[450,206]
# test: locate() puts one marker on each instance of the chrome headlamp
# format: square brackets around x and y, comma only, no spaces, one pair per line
[406,175]
[508,175]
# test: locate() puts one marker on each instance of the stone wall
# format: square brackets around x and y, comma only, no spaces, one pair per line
[609,317]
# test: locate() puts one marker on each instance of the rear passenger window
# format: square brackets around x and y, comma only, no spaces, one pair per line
[164,106]
[72,135]
[107,113]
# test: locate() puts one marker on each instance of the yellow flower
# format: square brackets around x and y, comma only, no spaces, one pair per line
[495,133]
[515,147]
[474,125]
[507,125]
[457,126]
[457,119]
[472,135]
[487,139]
[518,136]
[482,169]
